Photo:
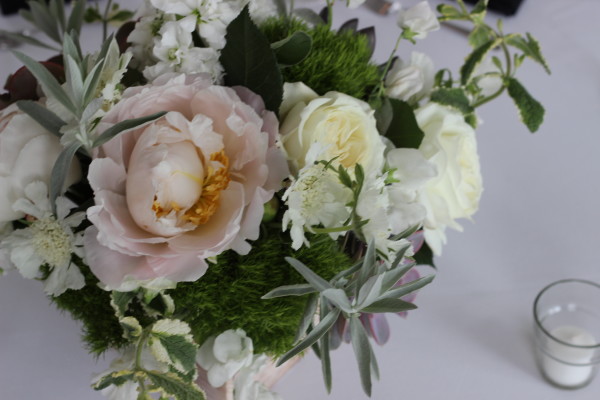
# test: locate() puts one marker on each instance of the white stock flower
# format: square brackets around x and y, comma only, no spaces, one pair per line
[316,198]
[49,240]
[451,145]
[224,355]
[411,81]
[246,387]
[343,126]
[27,154]
[260,10]
[420,19]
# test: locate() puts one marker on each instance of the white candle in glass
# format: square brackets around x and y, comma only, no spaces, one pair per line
[558,362]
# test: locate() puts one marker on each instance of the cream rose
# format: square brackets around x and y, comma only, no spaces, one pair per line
[184,188]
[326,127]
[27,154]
[450,144]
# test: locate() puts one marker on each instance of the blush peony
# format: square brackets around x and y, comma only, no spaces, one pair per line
[184,188]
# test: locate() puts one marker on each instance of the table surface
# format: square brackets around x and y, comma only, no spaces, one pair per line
[539,221]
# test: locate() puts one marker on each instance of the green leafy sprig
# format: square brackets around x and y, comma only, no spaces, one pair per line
[369,286]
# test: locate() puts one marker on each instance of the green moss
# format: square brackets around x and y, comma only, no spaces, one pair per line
[337,61]
[228,296]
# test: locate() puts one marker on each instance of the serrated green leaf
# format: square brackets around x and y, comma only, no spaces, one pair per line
[480,35]
[60,171]
[42,116]
[389,305]
[120,302]
[125,126]
[530,47]
[362,351]
[116,378]
[307,316]
[455,98]
[315,280]
[474,59]
[530,110]
[48,82]
[248,61]
[290,290]
[403,131]
[407,288]
[172,384]
[313,336]
[344,177]
[478,11]
[176,350]
[162,303]
[293,49]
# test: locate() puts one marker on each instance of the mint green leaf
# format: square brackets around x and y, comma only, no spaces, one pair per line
[478,11]
[293,49]
[313,336]
[368,264]
[389,305]
[248,61]
[407,288]
[172,384]
[530,47]
[180,352]
[42,116]
[115,378]
[92,15]
[449,12]
[530,110]
[362,351]
[290,290]
[480,35]
[455,98]
[315,280]
[403,131]
[60,171]
[48,82]
[474,59]
[125,126]
[120,302]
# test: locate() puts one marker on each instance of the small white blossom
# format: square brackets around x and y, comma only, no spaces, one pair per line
[260,10]
[224,355]
[411,81]
[246,387]
[49,240]
[419,19]
[317,197]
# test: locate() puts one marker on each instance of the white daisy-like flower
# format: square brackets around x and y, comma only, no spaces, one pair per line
[317,197]
[49,240]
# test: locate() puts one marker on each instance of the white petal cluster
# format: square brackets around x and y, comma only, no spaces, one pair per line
[166,36]
[247,387]
[419,19]
[411,81]
[49,240]
[315,198]
[225,355]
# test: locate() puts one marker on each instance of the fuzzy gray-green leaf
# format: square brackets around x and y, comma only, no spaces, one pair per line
[530,110]
[60,171]
[339,298]
[307,316]
[389,306]
[48,82]
[44,21]
[26,39]
[407,288]
[315,280]
[124,126]
[76,17]
[290,290]
[42,116]
[362,351]
[313,336]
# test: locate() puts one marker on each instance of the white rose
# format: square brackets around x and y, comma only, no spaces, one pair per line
[340,126]
[450,144]
[27,154]
[411,81]
[224,355]
[420,19]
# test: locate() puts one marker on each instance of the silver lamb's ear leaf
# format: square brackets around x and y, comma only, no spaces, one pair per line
[43,19]
[60,171]
[362,351]
[315,280]
[26,39]
[42,116]
[48,82]
[307,317]
[290,290]
[125,126]
[76,17]
[407,288]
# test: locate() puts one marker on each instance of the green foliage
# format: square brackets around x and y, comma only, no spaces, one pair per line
[338,61]
[229,295]
[402,129]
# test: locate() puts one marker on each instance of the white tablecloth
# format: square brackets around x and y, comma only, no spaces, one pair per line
[471,338]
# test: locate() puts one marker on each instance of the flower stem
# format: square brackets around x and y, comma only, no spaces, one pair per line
[105,20]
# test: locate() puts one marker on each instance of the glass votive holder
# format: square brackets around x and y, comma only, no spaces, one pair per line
[567,332]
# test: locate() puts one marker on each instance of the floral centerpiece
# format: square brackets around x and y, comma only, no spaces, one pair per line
[223,185]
